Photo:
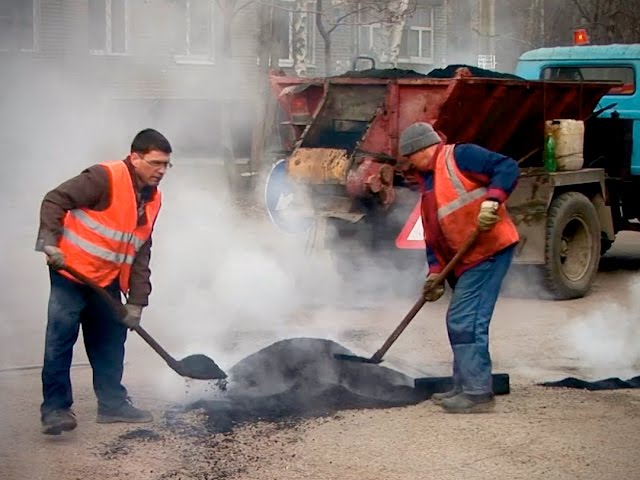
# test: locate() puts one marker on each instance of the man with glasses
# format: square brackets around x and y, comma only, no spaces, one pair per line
[100,224]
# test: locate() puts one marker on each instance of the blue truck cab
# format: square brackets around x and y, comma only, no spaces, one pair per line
[612,135]
[602,196]
[619,62]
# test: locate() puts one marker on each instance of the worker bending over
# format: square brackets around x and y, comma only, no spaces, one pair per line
[464,188]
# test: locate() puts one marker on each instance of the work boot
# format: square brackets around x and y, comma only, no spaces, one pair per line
[466,403]
[437,398]
[126,413]
[57,421]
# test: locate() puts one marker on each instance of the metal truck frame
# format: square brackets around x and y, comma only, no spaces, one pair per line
[341,138]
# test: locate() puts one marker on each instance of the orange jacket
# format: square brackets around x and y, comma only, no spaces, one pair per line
[103,244]
[458,200]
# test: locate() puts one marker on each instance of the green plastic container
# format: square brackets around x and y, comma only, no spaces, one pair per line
[550,163]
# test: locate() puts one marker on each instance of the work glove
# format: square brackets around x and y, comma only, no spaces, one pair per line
[55,258]
[431,291]
[133,317]
[488,215]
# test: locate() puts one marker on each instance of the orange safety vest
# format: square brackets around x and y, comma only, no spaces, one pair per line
[458,201]
[102,245]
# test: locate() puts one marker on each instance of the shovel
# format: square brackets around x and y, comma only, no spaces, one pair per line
[196,366]
[441,277]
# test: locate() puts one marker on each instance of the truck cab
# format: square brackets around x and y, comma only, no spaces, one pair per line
[612,135]
[611,138]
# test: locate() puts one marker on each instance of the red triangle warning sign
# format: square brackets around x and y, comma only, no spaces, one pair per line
[412,234]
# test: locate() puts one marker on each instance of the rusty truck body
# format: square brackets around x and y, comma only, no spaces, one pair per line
[340,139]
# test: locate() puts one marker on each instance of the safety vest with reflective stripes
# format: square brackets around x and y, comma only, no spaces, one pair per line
[102,245]
[458,200]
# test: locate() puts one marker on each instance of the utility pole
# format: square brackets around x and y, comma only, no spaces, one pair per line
[542,32]
[487,32]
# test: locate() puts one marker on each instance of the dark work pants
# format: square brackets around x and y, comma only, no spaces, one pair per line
[472,304]
[70,305]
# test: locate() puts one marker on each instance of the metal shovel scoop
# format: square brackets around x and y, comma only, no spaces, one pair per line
[196,366]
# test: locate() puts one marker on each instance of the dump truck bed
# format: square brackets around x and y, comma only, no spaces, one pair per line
[345,153]
[505,115]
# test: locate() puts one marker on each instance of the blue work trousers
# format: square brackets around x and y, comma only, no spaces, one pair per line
[472,304]
[71,305]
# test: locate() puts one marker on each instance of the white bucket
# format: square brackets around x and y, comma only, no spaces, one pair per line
[569,138]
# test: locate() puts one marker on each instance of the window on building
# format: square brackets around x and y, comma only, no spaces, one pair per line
[107,26]
[417,37]
[283,22]
[194,36]
[18,24]
[590,73]
[367,38]
[416,45]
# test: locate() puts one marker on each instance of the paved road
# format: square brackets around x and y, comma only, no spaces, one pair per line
[226,288]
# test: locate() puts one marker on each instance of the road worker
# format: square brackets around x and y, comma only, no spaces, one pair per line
[99,223]
[465,187]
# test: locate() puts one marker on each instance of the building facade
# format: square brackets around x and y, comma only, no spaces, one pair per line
[182,65]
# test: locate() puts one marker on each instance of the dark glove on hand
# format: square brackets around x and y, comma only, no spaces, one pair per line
[55,258]
[133,317]
[431,291]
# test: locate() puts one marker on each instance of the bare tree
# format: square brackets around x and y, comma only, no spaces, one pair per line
[631,15]
[300,39]
[389,14]
[600,18]
[229,9]
[329,15]
[606,21]
[523,25]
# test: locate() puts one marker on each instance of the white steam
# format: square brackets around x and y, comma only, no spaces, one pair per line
[227,282]
[605,341]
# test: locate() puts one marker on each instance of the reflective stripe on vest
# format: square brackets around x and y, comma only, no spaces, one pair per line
[464,197]
[103,244]
[107,232]
[458,200]
[94,249]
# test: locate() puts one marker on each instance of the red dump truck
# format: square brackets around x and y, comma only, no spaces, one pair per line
[340,139]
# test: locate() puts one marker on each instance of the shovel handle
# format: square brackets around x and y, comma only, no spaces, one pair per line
[448,268]
[172,362]
[121,312]
[118,307]
[441,277]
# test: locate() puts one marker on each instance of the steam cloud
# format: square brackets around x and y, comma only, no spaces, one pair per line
[605,342]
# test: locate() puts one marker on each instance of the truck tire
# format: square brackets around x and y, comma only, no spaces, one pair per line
[572,250]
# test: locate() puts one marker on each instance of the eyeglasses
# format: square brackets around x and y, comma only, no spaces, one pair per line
[159,163]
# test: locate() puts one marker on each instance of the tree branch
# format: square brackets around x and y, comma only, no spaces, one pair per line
[578,4]
[339,21]
[320,24]
[242,7]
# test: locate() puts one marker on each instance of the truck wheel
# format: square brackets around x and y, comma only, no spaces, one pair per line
[572,250]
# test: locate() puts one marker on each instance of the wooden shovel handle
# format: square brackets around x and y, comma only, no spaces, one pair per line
[441,277]
[448,268]
[121,312]
[118,307]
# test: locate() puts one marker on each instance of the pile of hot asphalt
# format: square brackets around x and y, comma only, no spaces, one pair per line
[300,378]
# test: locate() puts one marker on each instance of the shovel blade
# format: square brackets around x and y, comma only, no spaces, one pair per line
[355,358]
[200,367]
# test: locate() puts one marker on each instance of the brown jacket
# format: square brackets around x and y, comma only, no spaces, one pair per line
[91,190]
